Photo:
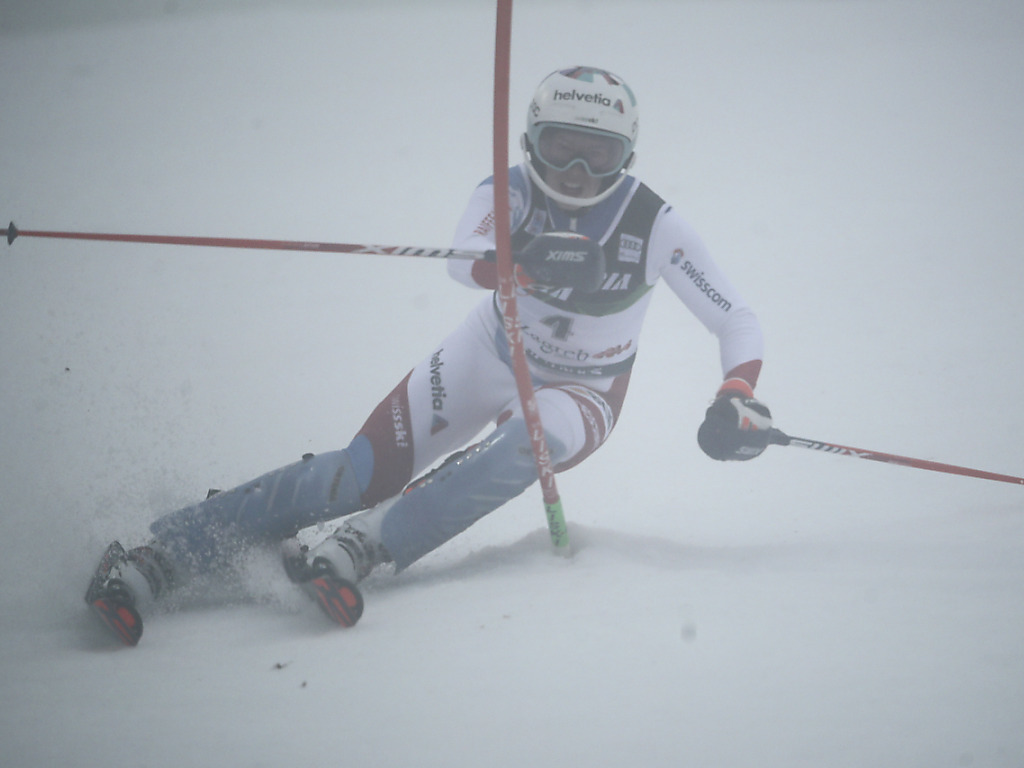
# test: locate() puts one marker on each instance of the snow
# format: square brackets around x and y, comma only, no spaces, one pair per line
[856,169]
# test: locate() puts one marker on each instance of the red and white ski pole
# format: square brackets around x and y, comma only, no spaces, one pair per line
[778,437]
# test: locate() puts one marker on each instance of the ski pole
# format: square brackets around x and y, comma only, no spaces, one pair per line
[266,245]
[778,437]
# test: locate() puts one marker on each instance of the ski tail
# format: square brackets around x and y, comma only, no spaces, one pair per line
[110,599]
[120,618]
[339,598]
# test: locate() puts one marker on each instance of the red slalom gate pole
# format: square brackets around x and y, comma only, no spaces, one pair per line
[507,285]
[778,437]
[265,245]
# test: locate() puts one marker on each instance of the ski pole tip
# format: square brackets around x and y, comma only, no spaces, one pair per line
[12,232]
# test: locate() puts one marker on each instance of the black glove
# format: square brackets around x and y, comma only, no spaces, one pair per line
[736,426]
[563,260]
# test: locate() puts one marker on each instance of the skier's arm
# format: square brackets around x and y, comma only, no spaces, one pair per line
[475,232]
[679,256]
[736,425]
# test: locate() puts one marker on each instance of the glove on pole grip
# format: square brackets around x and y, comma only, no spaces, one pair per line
[564,260]
[736,427]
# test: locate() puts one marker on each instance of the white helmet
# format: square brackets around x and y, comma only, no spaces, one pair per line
[581,100]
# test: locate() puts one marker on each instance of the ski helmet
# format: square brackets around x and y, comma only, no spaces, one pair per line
[575,101]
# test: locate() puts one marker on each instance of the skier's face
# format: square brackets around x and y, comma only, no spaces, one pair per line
[575,160]
[574,181]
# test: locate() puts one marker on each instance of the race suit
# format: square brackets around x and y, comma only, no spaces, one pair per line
[580,347]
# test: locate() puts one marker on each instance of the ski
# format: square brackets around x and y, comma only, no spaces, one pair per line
[120,618]
[111,601]
[339,598]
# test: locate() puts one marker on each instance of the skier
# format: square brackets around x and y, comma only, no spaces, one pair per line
[590,241]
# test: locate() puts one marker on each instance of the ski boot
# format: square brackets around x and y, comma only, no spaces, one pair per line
[123,581]
[330,570]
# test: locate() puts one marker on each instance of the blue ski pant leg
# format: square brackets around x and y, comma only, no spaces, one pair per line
[272,507]
[576,419]
[461,492]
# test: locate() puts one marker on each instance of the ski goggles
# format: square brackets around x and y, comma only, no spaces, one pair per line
[560,147]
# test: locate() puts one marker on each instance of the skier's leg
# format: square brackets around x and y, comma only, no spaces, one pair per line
[482,478]
[473,482]
[477,481]
[209,535]
[439,506]
[275,505]
[443,402]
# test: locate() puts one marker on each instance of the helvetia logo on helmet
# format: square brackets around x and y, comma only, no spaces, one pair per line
[589,98]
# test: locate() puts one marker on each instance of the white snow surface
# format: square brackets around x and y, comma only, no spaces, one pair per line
[856,167]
